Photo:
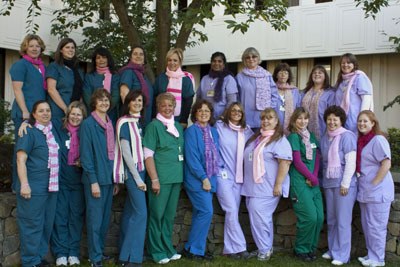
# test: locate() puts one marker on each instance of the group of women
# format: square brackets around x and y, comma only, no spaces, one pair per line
[123,141]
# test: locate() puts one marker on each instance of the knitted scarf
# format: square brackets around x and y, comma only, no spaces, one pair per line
[109,131]
[310,103]
[220,75]
[52,162]
[136,147]
[362,141]
[286,89]
[73,153]
[175,86]
[258,156]
[107,77]
[139,70]
[305,137]
[78,83]
[211,153]
[38,62]
[263,87]
[239,152]
[334,166]
[169,123]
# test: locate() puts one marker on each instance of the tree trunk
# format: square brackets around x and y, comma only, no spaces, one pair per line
[186,28]
[126,23]
[163,33]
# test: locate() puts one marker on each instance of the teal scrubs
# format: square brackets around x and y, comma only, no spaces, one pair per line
[94,81]
[97,168]
[35,216]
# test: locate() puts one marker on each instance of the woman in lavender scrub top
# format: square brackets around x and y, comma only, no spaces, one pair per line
[338,147]
[375,186]
[218,86]
[257,89]
[267,157]
[233,133]
[354,90]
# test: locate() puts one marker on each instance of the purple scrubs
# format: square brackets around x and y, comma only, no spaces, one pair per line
[280,105]
[361,86]
[247,94]
[339,209]
[228,191]
[260,200]
[375,200]
[207,90]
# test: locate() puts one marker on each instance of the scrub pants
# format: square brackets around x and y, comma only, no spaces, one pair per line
[162,210]
[98,212]
[35,218]
[307,204]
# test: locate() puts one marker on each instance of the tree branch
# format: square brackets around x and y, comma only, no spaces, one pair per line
[126,23]
[163,32]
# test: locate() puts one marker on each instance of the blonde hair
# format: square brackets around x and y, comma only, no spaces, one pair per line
[178,52]
[27,39]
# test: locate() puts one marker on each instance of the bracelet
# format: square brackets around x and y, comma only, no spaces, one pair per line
[25,185]
[154,180]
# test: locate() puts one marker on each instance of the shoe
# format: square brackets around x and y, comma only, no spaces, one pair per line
[96,264]
[61,261]
[208,257]
[240,255]
[312,256]
[73,260]
[44,263]
[362,259]
[175,257]
[372,263]
[303,257]
[336,262]
[264,256]
[106,257]
[163,261]
[326,256]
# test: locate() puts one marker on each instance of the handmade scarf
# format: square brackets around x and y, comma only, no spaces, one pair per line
[334,166]
[139,70]
[107,77]
[220,75]
[136,147]
[169,123]
[52,162]
[211,153]
[310,103]
[289,106]
[305,137]
[349,79]
[263,87]
[73,153]
[363,140]
[239,152]
[78,83]
[258,156]
[109,131]
[38,62]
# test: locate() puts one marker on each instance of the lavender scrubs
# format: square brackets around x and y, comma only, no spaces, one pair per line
[280,104]
[375,200]
[228,190]
[260,200]
[339,209]
[206,91]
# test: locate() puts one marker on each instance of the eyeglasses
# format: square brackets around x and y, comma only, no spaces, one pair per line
[236,111]
[251,57]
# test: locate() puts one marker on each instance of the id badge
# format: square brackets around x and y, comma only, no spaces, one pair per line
[67,144]
[282,108]
[313,145]
[224,174]
[180,157]
[251,156]
[210,93]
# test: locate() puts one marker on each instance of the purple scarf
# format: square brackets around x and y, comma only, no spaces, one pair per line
[220,75]
[263,87]
[108,127]
[210,152]
[38,62]
[138,69]
[73,153]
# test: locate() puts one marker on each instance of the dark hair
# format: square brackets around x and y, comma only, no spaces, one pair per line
[198,105]
[352,59]
[32,119]
[376,129]
[131,96]
[310,82]
[337,111]
[72,105]
[278,129]
[284,67]
[218,54]
[105,53]
[295,115]
[98,94]
[58,57]
[227,113]
[144,53]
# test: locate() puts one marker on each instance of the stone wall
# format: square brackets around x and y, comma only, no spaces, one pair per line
[284,221]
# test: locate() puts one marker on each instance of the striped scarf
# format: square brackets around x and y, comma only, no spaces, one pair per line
[174,86]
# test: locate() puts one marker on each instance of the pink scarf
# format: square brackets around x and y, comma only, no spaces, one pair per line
[38,62]
[289,106]
[263,87]
[310,103]
[239,152]
[175,86]
[52,162]
[350,78]
[169,123]
[305,137]
[108,127]
[136,147]
[258,156]
[334,166]
[73,153]
[107,77]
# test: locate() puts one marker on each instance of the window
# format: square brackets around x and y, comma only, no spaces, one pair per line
[258,4]
[322,1]
[326,62]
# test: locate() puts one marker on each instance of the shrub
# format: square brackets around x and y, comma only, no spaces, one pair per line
[6,126]
[394,141]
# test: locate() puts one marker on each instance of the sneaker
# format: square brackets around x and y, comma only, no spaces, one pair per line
[73,260]
[337,263]
[362,259]
[312,256]
[264,256]
[303,257]
[372,263]
[175,257]
[326,256]
[163,261]
[61,261]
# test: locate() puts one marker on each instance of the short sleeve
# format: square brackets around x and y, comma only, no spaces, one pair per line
[231,85]
[124,132]
[150,138]
[25,143]
[282,149]
[126,78]
[52,72]
[294,141]
[381,149]
[349,142]
[18,71]
[363,85]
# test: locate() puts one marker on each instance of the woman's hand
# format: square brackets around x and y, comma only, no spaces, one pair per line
[95,190]
[142,186]
[206,185]
[25,191]
[277,190]
[22,129]
[155,186]
[116,189]
[344,191]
